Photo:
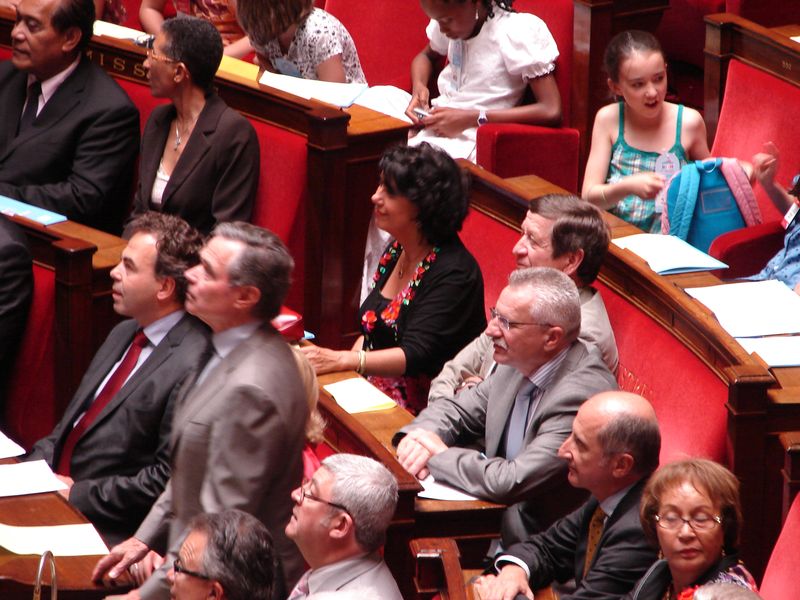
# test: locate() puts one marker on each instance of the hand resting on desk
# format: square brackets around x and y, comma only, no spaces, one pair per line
[416,448]
[510,584]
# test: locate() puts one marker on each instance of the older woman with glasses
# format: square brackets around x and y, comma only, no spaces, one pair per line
[691,509]
[425,301]
[199,158]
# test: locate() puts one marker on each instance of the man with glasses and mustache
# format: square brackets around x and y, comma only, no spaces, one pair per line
[339,522]
[499,440]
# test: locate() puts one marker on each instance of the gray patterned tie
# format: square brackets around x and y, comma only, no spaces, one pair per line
[519,419]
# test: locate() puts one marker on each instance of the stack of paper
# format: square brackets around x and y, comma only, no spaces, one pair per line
[11,207]
[9,448]
[33,477]
[433,490]
[357,395]
[338,94]
[62,540]
[667,254]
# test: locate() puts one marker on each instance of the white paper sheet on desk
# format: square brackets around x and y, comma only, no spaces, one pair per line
[81,539]
[776,351]
[752,308]
[357,395]
[440,491]
[33,477]
[9,448]
[119,32]
[338,94]
[667,254]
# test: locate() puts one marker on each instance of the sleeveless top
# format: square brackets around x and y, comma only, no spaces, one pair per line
[627,160]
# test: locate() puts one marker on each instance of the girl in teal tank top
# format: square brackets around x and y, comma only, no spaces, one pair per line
[627,160]
[640,141]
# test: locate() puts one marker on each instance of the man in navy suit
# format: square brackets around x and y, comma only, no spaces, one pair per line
[69,134]
[112,445]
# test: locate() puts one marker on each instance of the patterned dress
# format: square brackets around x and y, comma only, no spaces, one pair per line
[627,160]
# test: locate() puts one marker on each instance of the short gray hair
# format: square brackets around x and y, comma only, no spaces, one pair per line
[724,591]
[556,300]
[264,263]
[368,491]
[239,554]
[635,435]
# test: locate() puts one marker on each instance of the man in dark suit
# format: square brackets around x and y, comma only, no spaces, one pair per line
[16,289]
[612,451]
[499,440]
[69,134]
[238,433]
[112,445]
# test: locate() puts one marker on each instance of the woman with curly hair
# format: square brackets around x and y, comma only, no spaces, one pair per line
[426,298]
[494,55]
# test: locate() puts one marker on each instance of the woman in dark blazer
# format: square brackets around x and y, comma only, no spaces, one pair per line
[199,158]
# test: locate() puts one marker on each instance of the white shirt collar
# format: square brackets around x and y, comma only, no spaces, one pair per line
[158,329]
[225,341]
[49,86]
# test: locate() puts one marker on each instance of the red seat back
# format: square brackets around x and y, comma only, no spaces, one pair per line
[388,35]
[741,134]
[689,398]
[5,53]
[780,578]
[140,95]
[559,17]
[30,411]
[490,242]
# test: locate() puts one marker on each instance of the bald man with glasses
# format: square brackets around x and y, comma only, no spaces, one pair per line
[499,440]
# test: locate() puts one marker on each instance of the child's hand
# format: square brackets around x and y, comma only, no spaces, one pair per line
[419,99]
[646,185]
[449,122]
[765,164]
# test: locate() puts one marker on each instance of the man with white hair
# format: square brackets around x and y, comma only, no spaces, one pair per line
[499,440]
[339,522]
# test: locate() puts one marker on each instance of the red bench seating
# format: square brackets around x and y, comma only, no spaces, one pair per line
[748,250]
[689,399]
[510,150]
[780,579]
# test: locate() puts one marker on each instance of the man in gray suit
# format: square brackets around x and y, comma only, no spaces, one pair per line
[499,440]
[112,445]
[238,431]
[339,522]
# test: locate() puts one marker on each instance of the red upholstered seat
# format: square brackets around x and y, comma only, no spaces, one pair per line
[780,579]
[688,397]
[5,53]
[490,243]
[140,95]
[748,249]
[30,402]
[388,35]
[549,152]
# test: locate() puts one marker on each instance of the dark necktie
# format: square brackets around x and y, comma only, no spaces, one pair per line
[595,532]
[112,386]
[31,107]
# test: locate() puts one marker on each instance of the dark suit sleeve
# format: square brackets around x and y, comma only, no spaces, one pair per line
[238,170]
[16,288]
[114,498]
[105,148]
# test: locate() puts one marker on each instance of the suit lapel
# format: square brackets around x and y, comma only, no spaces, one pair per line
[196,147]
[14,94]
[149,166]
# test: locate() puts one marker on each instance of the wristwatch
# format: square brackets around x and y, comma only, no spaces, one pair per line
[482,118]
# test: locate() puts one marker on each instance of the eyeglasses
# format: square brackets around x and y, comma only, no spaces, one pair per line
[178,567]
[699,522]
[153,55]
[304,493]
[508,325]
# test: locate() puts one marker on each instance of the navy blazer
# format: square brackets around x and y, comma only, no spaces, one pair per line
[78,156]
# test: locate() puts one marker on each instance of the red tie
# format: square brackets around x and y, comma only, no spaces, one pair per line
[110,390]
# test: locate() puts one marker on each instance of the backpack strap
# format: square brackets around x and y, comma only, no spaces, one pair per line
[681,218]
[742,190]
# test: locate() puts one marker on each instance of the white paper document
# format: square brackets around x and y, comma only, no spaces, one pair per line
[357,395]
[117,31]
[776,351]
[667,254]
[752,308]
[338,94]
[9,448]
[62,540]
[33,477]
[440,491]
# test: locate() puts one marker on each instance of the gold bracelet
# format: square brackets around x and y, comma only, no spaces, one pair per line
[362,362]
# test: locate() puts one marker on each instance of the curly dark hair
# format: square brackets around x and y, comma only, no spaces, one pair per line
[489,5]
[577,225]
[197,44]
[75,13]
[178,245]
[431,180]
